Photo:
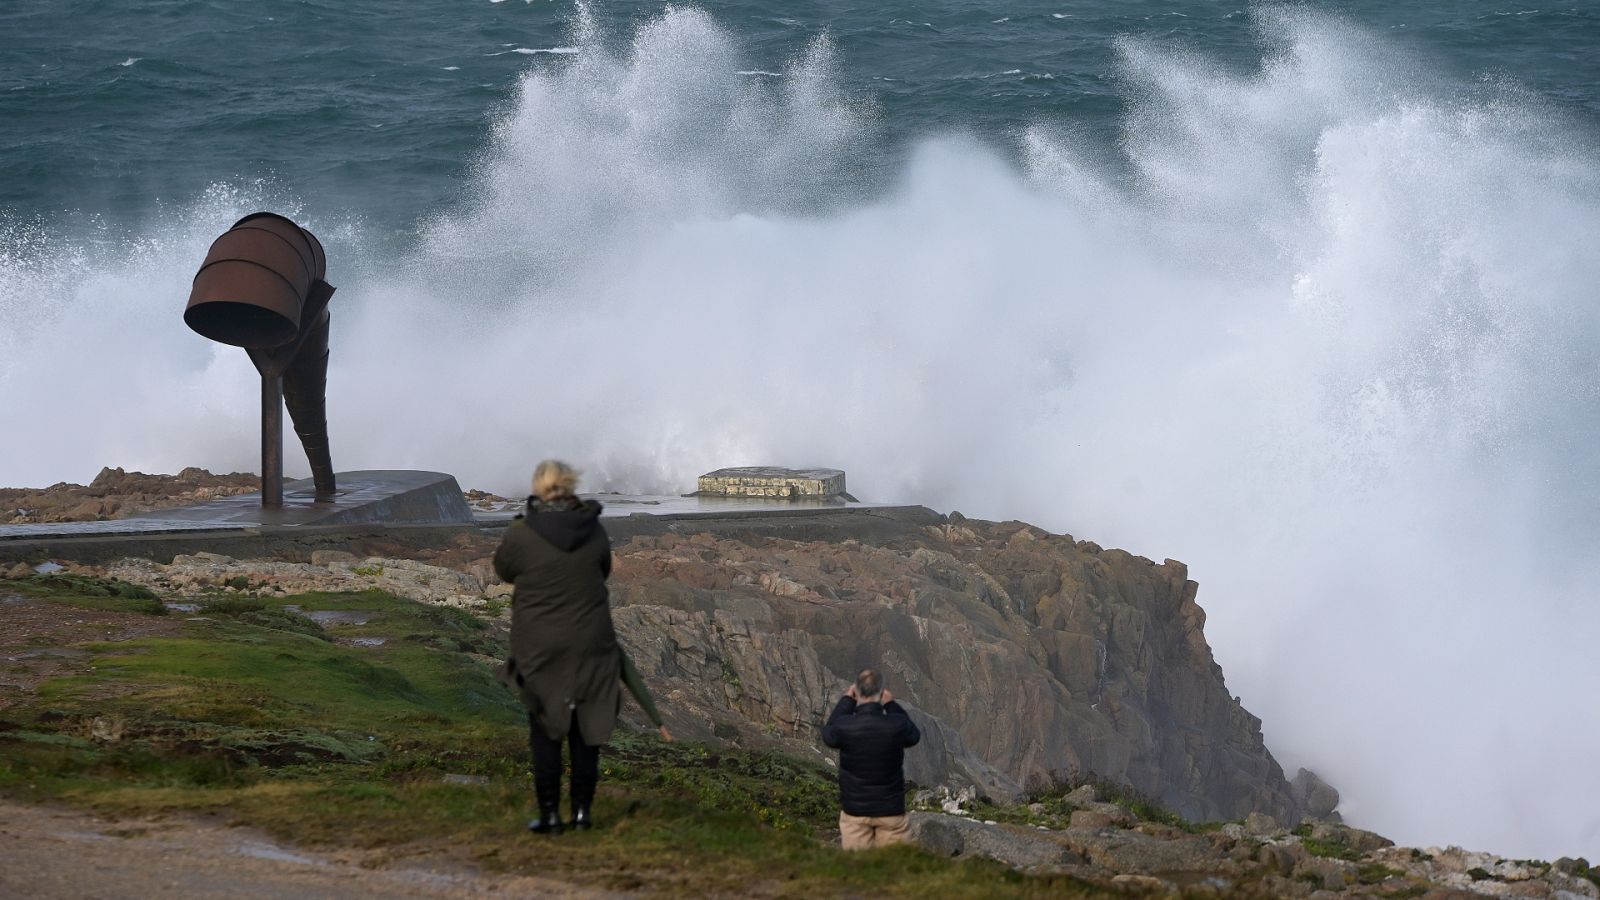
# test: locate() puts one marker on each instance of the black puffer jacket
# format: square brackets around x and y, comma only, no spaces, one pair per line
[871,739]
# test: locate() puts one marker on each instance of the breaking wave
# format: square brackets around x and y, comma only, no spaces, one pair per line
[1325,330]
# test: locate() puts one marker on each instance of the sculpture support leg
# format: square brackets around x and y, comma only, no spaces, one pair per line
[305,392]
[272,440]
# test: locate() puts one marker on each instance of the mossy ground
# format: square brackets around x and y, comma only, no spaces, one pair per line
[250,710]
[91,593]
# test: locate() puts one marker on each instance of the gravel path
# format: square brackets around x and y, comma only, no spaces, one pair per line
[55,853]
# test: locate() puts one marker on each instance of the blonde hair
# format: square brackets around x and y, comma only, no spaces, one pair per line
[554,479]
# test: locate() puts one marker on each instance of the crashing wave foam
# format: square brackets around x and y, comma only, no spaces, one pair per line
[1323,334]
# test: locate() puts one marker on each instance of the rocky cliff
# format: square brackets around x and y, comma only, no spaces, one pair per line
[1024,655]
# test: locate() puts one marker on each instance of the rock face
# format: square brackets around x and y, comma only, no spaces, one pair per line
[1231,861]
[1316,797]
[1025,656]
[208,574]
[116,494]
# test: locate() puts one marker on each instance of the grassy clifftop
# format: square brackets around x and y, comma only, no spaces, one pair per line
[394,734]
[366,721]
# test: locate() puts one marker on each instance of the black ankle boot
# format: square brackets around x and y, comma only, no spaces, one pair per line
[549,822]
[580,818]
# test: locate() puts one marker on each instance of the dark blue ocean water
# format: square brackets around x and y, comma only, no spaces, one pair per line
[1303,295]
[379,108]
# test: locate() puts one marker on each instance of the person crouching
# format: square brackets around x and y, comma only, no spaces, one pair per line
[871,733]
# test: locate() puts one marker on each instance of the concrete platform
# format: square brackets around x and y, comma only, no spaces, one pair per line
[386,511]
[620,505]
[393,497]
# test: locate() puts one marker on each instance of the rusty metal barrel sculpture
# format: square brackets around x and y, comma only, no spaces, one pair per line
[262,288]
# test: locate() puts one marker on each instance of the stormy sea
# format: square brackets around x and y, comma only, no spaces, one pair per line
[1303,295]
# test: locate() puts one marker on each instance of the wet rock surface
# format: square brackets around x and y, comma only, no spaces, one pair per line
[1230,861]
[116,494]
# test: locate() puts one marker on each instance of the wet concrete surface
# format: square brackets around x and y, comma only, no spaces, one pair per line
[625,516]
[365,497]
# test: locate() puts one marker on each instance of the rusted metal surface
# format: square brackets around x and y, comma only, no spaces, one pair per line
[271,440]
[262,288]
[254,281]
[305,391]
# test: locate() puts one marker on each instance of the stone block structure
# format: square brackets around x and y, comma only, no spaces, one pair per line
[774,483]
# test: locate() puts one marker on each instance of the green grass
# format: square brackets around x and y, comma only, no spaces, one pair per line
[90,593]
[1329,849]
[1376,873]
[248,713]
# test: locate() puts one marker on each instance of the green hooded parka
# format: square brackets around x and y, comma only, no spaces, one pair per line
[564,655]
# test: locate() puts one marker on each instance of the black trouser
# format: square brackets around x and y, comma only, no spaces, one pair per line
[547,766]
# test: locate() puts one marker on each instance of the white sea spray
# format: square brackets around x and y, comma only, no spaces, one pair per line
[1328,335]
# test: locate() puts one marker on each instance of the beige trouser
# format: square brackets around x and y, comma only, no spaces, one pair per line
[862,832]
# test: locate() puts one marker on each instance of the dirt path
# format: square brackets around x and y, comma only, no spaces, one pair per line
[55,853]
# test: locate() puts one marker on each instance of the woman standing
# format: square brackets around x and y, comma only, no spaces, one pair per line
[564,660]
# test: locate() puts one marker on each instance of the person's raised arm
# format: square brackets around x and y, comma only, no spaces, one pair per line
[845,706]
[909,733]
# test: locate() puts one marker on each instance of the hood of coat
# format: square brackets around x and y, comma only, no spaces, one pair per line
[565,525]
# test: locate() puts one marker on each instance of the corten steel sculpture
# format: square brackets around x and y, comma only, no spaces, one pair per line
[261,287]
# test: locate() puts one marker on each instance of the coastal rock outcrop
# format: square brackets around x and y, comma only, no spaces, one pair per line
[116,494]
[1320,861]
[1027,658]
[1031,657]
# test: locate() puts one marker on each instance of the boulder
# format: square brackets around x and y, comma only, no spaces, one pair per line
[1281,857]
[1105,814]
[1315,797]
[952,836]
[1332,874]
[1083,795]
[1262,825]
[1117,850]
